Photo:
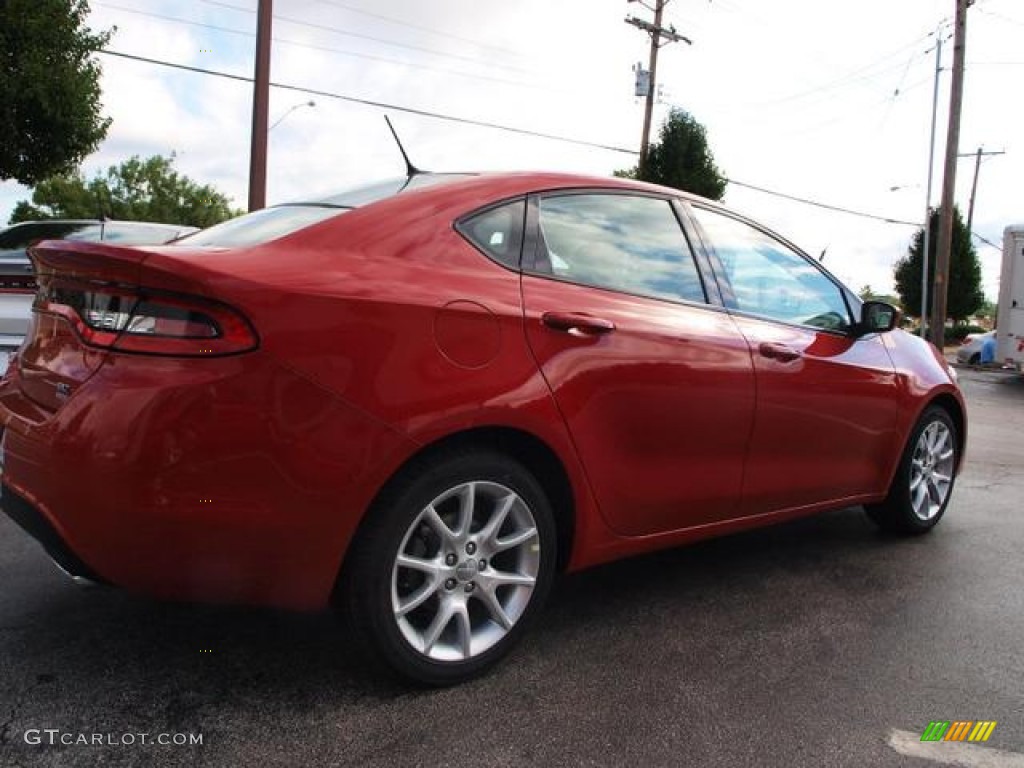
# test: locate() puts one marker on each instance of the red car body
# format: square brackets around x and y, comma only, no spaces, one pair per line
[243,473]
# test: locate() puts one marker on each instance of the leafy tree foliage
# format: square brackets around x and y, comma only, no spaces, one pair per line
[870,294]
[964,292]
[136,190]
[49,88]
[682,159]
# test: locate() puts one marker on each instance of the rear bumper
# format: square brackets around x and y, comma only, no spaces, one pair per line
[223,480]
[33,522]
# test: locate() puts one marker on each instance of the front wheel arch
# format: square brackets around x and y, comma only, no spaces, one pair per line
[952,407]
[922,485]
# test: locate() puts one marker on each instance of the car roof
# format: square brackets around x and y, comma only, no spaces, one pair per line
[500,183]
[532,181]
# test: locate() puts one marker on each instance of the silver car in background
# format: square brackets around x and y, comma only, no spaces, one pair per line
[970,352]
[17,280]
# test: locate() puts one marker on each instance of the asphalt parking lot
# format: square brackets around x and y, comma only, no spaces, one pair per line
[815,643]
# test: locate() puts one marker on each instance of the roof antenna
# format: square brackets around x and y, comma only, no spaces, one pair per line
[410,169]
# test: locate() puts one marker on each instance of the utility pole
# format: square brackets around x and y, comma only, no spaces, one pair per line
[260,108]
[657,32]
[974,186]
[956,98]
[928,190]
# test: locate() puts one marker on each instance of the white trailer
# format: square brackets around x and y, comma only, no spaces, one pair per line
[1010,319]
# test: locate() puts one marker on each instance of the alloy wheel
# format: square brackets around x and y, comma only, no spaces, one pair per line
[465,571]
[931,470]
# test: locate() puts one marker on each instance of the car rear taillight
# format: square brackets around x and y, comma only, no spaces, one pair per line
[147,322]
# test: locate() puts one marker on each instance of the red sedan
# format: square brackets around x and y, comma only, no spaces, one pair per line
[417,401]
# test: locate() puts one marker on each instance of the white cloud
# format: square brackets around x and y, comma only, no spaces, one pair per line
[797,95]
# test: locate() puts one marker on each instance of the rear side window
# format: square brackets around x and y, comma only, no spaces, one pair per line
[628,243]
[498,232]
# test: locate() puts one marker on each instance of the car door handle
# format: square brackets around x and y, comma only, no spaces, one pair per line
[779,352]
[577,323]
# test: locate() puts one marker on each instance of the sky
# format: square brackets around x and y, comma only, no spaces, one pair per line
[826,101]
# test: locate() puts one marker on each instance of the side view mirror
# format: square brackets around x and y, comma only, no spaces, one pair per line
[877,317]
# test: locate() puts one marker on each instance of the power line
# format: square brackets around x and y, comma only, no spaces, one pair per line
[161,16]
[313,47]
[374,103]
[429,30]
[421,49]
[241,8]
[1007,19]
[986,241]
[382,17]
[754,19]
[432,68]
[867,75]
[495,126]
[815,203]
[323,27]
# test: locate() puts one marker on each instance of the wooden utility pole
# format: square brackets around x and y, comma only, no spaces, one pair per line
[974,185]
[657,32]
[260,108]
[942,259]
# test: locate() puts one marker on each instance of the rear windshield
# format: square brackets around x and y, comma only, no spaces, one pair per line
[261,226]
[142,234]
[272,223]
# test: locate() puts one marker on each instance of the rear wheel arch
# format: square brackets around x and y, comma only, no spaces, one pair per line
[420,601]
[526,448]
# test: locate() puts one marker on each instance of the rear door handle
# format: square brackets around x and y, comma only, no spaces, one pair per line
[779,352]
[577,323]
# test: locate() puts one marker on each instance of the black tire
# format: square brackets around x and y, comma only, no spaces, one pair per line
[975,359]
[924,480]
[466,581]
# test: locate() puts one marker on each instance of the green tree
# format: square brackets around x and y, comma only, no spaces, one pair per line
[49,88]
[867,293]
[135,190]
[682,159]
[964,292]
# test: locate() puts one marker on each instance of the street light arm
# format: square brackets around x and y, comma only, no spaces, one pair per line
[289,112]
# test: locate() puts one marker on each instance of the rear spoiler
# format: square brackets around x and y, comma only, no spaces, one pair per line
[107,263]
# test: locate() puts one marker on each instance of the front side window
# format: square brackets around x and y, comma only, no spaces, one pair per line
[628,243]
[768,278]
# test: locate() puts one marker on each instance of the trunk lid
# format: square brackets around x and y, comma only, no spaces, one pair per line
[97,299]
